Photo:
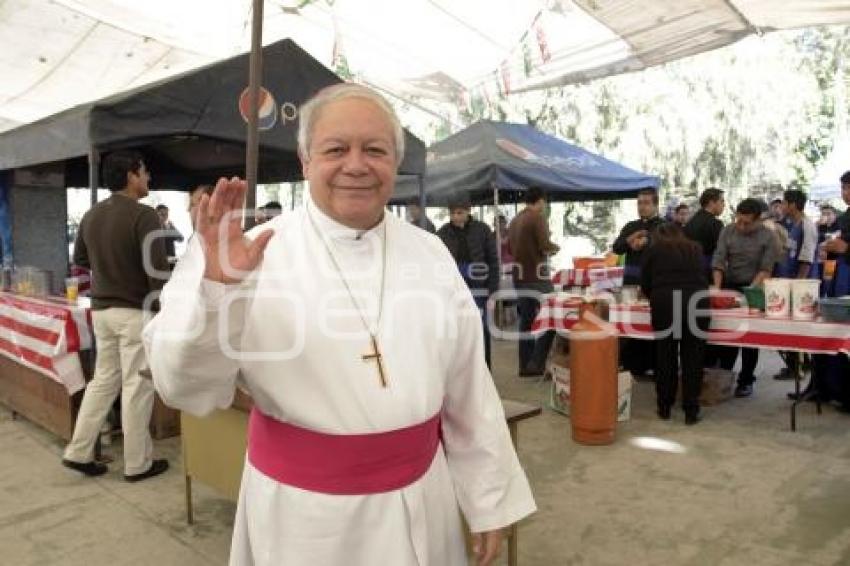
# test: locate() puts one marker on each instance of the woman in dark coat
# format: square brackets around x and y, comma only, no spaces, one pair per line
[672,274]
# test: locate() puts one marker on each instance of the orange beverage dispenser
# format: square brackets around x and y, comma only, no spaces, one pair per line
[593,377]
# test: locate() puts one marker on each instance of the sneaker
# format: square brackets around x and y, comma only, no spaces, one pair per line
[90,469]
[743,390]
[157,467]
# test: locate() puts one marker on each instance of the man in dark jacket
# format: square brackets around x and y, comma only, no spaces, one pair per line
[704,228]
[417,216]
[473,246]
[632,241]
[635,235]
[172,234]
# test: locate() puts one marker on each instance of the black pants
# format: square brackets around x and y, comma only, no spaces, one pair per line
[749,361]
[712,355]
[749,356]
[532,352]
[638,355]
[677,346]
[690,350]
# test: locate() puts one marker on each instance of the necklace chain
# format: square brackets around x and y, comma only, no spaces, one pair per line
[372,333]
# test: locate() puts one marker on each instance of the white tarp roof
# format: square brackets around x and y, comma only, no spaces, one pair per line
[55,54]
[826,185]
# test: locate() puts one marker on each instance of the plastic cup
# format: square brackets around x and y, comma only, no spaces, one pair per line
[777,297]
[72,288]
[804,297]
[829,269]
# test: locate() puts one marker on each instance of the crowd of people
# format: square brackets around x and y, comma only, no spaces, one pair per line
[673,259]
[673,263]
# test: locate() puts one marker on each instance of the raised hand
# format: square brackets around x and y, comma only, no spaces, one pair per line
[230,256]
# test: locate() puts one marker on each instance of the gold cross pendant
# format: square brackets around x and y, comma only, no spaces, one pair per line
[377,357]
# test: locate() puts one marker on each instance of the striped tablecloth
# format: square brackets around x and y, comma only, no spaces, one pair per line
[558,312]
[597,277]
[732,327]
[46,334]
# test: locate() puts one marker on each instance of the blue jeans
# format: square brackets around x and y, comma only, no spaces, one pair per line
[532,352]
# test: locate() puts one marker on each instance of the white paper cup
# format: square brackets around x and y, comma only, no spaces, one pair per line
[804,298]
[777,298]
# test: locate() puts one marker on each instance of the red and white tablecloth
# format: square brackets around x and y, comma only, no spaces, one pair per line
[558,312]
[596,277]
[46,334]
[733,327]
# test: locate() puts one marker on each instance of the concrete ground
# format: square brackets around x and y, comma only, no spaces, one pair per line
[738,489]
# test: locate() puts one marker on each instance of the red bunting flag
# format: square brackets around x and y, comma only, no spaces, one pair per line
[540,32]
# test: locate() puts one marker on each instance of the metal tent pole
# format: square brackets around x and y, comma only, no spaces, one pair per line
[421,181]
[253,138]
[94,174]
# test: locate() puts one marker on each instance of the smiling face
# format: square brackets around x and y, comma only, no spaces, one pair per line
[351,165]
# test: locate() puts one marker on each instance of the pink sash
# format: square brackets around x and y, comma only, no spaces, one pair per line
[341,464]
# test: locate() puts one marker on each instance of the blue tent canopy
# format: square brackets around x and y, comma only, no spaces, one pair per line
[513,157]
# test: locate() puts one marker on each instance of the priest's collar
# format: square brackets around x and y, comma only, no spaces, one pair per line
[335,230]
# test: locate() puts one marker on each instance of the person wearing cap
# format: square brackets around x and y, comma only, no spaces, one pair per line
[828,221]
[828,228]
[473,247]
[838,247]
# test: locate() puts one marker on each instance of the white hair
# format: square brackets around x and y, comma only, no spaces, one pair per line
[310,111]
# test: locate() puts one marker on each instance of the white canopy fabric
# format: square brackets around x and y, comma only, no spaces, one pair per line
[55,54]
[826,185]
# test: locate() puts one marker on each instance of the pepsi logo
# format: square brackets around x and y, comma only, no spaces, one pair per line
[267,115]
[514,149]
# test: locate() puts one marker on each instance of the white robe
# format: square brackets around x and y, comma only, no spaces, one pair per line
[300,359]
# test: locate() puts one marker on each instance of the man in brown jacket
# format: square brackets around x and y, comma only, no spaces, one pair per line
[121,241]
[530,245]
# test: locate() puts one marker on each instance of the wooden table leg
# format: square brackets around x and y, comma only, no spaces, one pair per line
[190,518]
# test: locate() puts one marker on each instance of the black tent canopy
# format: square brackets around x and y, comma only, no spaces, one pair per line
[190,127]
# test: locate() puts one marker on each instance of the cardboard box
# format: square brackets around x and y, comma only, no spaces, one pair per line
[718,385]
[559,396]
[559,393]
